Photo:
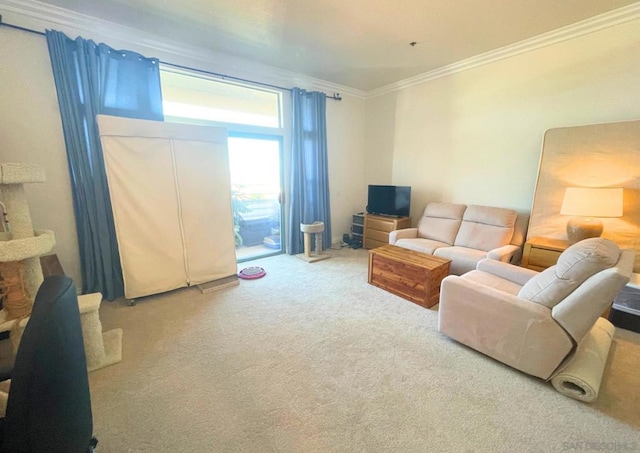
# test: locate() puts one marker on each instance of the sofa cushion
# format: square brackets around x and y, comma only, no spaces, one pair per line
[486,228]
[575,265]
[463,259]
[441,222]
[421,245]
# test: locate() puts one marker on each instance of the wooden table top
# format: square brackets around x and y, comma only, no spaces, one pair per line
[559,245]
[409,256]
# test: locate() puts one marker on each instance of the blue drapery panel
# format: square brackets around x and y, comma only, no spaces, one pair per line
[309,197]
[90,79]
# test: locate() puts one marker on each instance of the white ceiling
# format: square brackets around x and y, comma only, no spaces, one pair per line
[362,44]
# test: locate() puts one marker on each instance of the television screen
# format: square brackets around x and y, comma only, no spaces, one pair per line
[389,200]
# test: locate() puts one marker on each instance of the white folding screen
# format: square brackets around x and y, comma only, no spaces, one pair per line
[171,196]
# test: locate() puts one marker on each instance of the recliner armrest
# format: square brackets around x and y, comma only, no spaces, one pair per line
[406,233]
[515,274]
[507,253]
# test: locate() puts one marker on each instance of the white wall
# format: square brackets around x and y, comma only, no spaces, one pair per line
[476,136]
[346,150]
[31,132]
[380,139]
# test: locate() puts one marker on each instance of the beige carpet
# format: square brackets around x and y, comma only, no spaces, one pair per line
[311,358]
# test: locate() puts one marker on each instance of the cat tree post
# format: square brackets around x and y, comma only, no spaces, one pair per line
[21,273]
[20,248]
[24,244]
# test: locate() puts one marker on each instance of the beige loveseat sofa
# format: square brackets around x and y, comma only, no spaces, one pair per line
[466,234]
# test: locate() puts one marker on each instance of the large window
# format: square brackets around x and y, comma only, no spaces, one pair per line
[194,97]
[253,119]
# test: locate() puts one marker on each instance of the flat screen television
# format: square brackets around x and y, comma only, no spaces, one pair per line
[389,200]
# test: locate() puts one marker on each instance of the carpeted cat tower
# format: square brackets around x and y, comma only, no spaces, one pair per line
[316,228]
[21,273]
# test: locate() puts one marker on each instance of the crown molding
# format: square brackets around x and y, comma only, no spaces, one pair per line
[584,27]
[40,16]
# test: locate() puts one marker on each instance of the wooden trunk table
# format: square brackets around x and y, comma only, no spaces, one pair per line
[412,275]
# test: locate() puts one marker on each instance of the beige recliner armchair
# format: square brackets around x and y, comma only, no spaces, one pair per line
[532,321]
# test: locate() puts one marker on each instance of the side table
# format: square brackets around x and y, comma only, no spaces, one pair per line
[377,228]
[540,253]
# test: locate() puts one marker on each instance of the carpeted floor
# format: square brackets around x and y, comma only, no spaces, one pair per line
[311,358]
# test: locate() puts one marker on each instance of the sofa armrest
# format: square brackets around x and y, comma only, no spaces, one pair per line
[507,253]
[515,274]
[406,233]
[515,331]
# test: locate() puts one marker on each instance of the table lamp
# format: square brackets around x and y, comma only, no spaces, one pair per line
[588,204]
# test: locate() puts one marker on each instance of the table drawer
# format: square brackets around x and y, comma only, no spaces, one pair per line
[372,243]
[543,258]
[380,225]
[378,236]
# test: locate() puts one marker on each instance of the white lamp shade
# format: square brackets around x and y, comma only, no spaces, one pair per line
[593,201]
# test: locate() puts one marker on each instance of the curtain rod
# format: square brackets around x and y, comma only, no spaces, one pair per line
[335,96]
[17,27]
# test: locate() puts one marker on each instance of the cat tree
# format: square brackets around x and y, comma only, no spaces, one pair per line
[21,272]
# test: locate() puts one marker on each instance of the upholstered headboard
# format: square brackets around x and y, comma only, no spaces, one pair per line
[599,155]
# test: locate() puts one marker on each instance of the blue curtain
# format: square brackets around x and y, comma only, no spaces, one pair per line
[90,79]
[309,197]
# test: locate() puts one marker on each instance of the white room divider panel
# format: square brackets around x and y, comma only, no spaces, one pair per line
[171,195]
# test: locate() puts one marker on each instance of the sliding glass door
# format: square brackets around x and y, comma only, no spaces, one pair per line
[253,119]
[256,188]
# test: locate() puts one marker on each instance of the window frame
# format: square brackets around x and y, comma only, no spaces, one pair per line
[283,133]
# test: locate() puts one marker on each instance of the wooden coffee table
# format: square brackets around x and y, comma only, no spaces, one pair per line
[412,275]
